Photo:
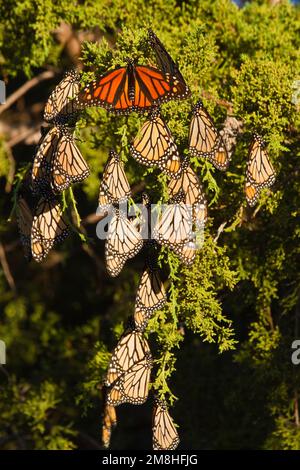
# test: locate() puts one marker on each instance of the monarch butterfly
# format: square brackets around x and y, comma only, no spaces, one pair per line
[129,370]
[151,295]
[133,385]
[58,162]
[109,421]
[154,146]
[131,348]
[167,64]
[131,88]
[165,435]
[194,196]
[205,140]
[173,228]
[24,221]
[48,228]
[260,172]
[114,187]
[123,242]
[60,104]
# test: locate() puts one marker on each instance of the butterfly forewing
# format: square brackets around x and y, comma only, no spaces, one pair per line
[205,140]
[60,103]
[131,348]
[123,242]
[114,188]
[155,146]
[48,228]
[165,435]
[151,295]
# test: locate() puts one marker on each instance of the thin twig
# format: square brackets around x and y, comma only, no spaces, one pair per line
[22,136]
[220,230]
[46,75]
[6,269]
[11,170]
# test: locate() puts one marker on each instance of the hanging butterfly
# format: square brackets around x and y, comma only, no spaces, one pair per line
[260,172]
[61,104]
[109,421]
[173,227]
[24,221]
[131,88]
[151,296]
[58,162]
[155,146]
[48,228]
[114,188]
[133,385]
[128,375]
[123,242]
[205,140]
[167,65]
[165,435]
[131,348]
[194,196]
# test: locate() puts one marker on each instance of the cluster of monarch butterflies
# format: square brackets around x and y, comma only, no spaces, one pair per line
[58,163]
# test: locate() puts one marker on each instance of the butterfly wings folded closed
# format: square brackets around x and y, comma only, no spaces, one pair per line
[114,187]
[61,105]
[151,296]
[260,172]
[123,242]
[133,385]
[129,370]
[48,228]
[109,421]
[165,435]
[155,146]
[58,162]
[174,225]
[205,140]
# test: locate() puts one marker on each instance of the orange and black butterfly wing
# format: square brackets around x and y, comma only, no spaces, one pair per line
[106,91]
[170,69]
[61,105]
[114,187]
[252,193]
[150,296]
[205,140]
[68,164]
[155,146]
[260,171]
[48,227]
[165,435]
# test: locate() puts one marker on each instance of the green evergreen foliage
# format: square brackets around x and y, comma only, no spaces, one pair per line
[222,344]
